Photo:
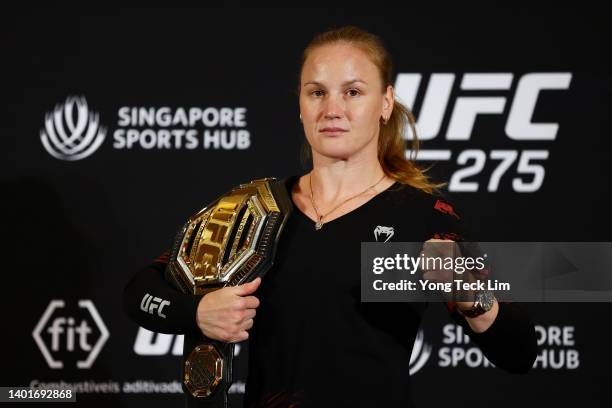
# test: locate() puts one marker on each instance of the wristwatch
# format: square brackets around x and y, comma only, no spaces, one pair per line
[483,302]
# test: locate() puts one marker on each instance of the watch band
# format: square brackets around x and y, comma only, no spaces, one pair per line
[475,311]
[483,302]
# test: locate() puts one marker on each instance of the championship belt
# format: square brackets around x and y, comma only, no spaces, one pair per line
[229,242]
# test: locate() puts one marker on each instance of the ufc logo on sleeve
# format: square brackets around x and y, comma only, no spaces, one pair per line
[150,304]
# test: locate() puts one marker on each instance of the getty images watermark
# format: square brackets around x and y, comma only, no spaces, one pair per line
[514,271]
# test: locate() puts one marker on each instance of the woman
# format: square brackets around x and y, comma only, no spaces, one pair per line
[312,342]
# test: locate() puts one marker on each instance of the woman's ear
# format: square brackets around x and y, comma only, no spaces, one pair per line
[388,100]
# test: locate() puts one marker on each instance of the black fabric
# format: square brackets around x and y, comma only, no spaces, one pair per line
[149,281]
[313,342]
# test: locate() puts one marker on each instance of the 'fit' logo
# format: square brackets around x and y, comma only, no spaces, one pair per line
[58,334]
[150,304]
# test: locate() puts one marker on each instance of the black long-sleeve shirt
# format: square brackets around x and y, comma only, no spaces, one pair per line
[314,343]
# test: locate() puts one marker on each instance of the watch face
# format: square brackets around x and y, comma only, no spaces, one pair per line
[486,299]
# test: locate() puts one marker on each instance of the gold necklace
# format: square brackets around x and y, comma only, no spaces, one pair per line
[319,223]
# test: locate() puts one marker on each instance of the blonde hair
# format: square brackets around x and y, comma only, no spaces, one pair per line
[391,143]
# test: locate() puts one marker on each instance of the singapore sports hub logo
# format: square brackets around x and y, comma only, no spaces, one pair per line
[71,131]
[420,353]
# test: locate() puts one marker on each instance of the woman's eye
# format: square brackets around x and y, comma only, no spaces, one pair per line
[353,92]
[317,92]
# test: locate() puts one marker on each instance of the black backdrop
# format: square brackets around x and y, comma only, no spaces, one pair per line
[78,229]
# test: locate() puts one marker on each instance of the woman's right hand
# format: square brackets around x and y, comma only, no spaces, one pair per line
[227,313]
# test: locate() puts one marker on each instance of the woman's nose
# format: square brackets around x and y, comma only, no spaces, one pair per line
[334,108]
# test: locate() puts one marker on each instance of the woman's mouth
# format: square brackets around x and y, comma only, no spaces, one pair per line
[331,131]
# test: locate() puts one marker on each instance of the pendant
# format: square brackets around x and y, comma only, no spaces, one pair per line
[319,224]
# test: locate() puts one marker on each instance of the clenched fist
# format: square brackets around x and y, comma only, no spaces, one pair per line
[226,314]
